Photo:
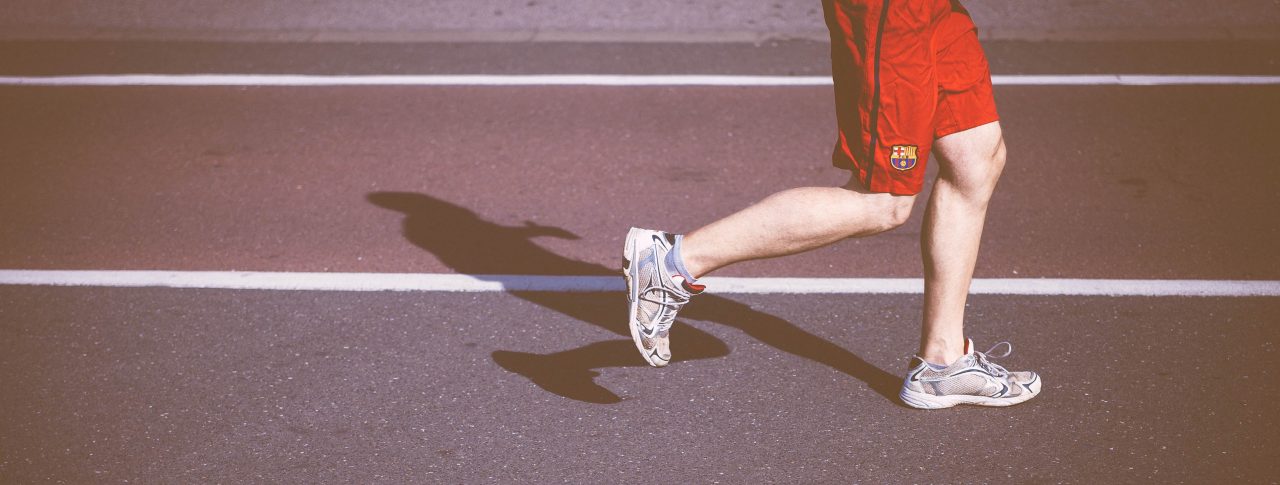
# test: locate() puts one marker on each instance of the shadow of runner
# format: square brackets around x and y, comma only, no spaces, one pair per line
[471,245]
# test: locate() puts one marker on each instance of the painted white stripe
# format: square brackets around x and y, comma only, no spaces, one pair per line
[1131,80]
[414,80]
[591,80]
[494,283]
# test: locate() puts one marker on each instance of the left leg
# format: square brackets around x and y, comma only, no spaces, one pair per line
[948,372]
[970,149]
[971,162]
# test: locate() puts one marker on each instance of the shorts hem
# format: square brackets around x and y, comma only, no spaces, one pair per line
[879,188]
[959,127]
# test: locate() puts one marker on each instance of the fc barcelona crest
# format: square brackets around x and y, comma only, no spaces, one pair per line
[903,157]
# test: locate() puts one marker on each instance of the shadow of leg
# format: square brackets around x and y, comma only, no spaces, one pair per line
[789,338]
[605,310]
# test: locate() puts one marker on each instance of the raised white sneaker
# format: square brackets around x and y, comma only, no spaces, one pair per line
[654,296]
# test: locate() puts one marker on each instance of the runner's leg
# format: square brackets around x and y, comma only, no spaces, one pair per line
[970,164]
[793,221]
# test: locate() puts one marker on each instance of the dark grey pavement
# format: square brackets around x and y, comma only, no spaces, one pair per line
[115,385]
[200,386]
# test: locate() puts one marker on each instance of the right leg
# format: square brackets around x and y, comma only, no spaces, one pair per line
[784,223]
[793,221]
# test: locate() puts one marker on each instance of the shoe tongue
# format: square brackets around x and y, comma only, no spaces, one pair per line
[968,346]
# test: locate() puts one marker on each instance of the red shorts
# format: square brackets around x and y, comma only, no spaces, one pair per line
[906,72]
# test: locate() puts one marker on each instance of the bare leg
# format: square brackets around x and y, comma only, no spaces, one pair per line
[971,162]
[793,221]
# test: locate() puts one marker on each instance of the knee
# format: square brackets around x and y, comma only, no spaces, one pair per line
[977,176]
[996,164]
[893,211]
[899,210]
[872,213]
[987,170]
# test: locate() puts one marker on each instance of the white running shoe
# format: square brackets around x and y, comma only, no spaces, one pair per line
[654,296]
[972,379]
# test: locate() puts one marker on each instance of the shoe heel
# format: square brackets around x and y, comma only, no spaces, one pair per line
[627,249]
[921,401]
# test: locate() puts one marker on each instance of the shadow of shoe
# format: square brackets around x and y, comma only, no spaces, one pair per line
[567,379]
[570,373]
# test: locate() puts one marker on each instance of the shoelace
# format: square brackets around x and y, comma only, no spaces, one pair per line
[992,367]
[666,314]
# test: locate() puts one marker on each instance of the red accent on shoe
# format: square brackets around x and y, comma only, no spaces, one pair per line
[692,288]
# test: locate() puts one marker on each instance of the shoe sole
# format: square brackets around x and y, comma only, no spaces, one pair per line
[920,400]
[633,295]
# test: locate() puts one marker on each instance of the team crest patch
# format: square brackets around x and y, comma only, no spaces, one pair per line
[903,157]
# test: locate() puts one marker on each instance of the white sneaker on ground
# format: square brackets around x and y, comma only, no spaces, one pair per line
[971,379]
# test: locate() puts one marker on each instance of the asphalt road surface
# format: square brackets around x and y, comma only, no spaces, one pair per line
[181,385]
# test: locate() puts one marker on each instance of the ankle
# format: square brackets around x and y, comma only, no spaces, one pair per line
[692,262]
[942,351]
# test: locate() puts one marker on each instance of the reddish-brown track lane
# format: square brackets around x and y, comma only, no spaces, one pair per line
[1111,182]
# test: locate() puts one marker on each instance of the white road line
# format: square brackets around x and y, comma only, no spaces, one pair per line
[592,80]
[496,283]
[1131,80]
